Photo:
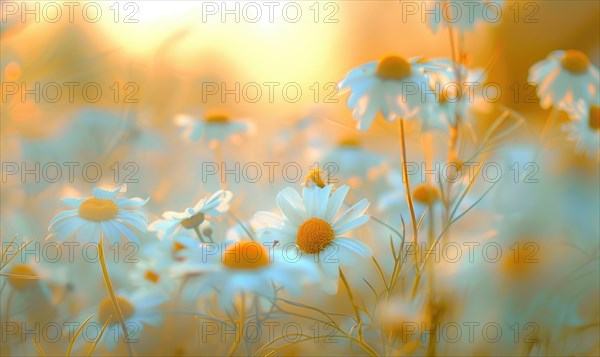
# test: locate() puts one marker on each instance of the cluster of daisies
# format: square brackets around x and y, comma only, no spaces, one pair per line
[430,90]
[316,233]
[305,243]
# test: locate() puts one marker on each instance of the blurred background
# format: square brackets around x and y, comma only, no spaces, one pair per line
[153,60]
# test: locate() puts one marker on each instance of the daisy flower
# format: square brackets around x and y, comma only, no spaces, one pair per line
[447,98]
[462,15]
[212,128]
[193,217]
[30,281]
[352,161]
[102,214]
[584,129]
[565,78]
[151,272]
[311,223]
[424,194]
[139,309]
[234,267]
[392,86]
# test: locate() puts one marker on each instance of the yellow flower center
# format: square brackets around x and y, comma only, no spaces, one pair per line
[455,170]
[152,276]
[426,194]
[314,178]
[522,261]
[575,61]
[594,118]
[246,254]
[314,235]
[97,209]
[193,221]
[217,119]
[352,142]
[18,282]
[394,68]
[12,71]
[178,246]
[106,309]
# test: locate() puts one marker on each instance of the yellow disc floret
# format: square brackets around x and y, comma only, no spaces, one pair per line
[20,282]
[12,71]
[246,254]
[106,309]
[575,61]
[194,221]
[314,235]
[314,178]
[349,142]
[426,194]
[394,68]
[152,276]
[98,209]
[217,118]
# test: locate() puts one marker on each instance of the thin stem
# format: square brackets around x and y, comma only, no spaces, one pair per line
[356,312]
[77,332]
[240,330]
[431,347]
[93,348]
[5,251]
[199,234]
[111,292]
[411,207]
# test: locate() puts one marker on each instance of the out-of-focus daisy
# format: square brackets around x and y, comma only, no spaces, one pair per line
[448,98]
[316,177]
[152,271]
[139,309]
[565,78]
[350,161]
[193,217]
[584,129]
[424,194]
[312,224]
[24,277]
[462,15]
[392,86]
[212,127]
[234,267]
[103,213]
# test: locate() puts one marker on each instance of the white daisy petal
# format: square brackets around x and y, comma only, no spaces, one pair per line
[355,246]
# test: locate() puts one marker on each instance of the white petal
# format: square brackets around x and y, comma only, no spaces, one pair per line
[355,246]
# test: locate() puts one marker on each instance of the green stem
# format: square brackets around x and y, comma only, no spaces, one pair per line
[112,294]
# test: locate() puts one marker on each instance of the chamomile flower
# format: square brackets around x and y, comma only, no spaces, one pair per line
[448,98]
[392,86]
[193,217]
[139,309]
[462,15]
[584,129]
[565,78]
[26,277]
[102,214]
[424,194]
[350,160]
[244,266]
[152,271]
[311,223]
[211,128]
